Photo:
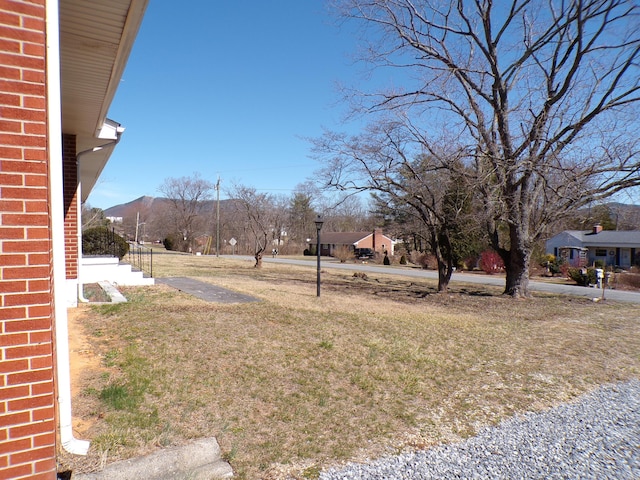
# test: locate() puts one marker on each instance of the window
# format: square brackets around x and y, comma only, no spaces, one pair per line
[601,252]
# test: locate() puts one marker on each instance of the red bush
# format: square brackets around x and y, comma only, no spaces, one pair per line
[491,262]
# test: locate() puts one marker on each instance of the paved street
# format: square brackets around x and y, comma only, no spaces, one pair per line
[535,286]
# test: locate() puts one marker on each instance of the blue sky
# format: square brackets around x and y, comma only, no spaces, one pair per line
[229,89]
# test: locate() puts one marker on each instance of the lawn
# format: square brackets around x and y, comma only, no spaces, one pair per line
[296,383]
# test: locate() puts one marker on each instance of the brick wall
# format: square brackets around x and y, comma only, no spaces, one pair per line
[70,172]
[27,411]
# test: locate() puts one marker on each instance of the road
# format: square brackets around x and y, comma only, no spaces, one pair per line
[535,286]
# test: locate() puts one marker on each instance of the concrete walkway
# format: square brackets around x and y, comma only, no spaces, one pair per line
[206,291]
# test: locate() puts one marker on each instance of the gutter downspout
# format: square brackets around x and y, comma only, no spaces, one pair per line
[81,297]
[54,134]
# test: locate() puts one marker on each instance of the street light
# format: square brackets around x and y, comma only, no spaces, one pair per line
[318,222]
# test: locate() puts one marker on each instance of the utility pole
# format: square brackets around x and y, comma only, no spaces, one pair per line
[218,218]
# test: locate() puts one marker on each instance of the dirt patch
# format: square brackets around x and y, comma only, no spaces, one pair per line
[83,360]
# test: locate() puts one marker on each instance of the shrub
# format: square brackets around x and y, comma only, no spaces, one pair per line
[102,241]
[343,253]
[403,260]
[425,260]
[386,260]
[577,276]
[168,243]
[491,262]
[470,263]
[628,279]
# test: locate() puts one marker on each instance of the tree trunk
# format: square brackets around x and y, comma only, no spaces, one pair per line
[445,270]
[516,264]
[258,257]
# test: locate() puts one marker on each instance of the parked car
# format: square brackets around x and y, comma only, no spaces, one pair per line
[362,253]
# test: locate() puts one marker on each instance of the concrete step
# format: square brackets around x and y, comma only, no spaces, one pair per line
[200,460]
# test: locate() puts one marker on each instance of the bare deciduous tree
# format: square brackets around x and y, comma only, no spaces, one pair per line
[186,196]
[543,94]
[256,209]
[384,159]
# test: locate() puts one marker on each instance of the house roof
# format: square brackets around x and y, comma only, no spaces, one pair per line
[95,41]
[607,238]
[343,238]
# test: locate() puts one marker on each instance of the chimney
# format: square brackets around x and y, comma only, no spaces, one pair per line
[597,228]
[377,234]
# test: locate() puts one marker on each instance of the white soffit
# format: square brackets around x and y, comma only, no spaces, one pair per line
[96,38]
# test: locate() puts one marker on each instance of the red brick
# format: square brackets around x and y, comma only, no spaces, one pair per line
[23,61]
[40,337]
[43,388]
[34,233]
[10,19]
[33,9]
[14,339]
[32,429]
[8,366]
[10,126]
[35,103]
[33,49]
[15,445]
[40,311]
[27,325]
[12,313]
[36,259]
[11,179]
[39,363]
[14,259]
[12,299]
[33,455]
[13,273]
[4,461]
[30,166]
[38,285]
[24,88]
[42,475]
[31,403]
[33,23]
[20,139]
[13,287]
[12,206]
[15,419]
[36,181]
[12,101]
[31,219]
[14,392]
[28,351]
[17,472]
[36,76]
[12,233]
[43,414]
[26,193]
[10,73]
[35,154]
[32,376]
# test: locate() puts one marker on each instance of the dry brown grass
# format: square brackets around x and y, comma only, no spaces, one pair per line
[295,382]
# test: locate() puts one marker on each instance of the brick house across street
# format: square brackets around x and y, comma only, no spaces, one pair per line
[60,64]
[376,241]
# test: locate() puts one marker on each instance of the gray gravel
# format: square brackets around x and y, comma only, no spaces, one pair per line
[596,437]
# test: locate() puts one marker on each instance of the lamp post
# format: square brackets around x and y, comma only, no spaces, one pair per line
[318,222]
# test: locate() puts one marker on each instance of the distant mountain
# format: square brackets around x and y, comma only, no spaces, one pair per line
[126,209]
[149,204]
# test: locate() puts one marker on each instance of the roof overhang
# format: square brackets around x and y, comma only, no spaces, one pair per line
[96,39]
